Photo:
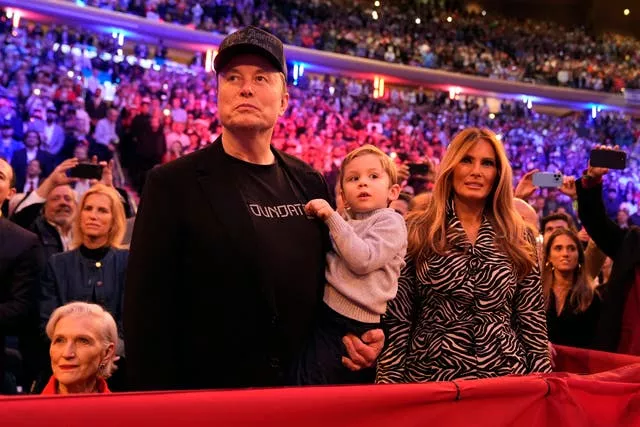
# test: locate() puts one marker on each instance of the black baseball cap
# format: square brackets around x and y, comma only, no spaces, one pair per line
[251,40]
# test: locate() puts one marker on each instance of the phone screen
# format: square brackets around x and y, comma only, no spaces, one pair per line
[86,171]
[611,159]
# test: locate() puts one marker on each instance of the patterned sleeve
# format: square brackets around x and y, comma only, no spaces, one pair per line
[398,324]
[530,321]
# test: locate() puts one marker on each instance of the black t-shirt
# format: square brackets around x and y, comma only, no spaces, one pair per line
[290,246]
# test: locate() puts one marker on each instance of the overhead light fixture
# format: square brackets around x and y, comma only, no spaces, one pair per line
[449,19]
[626,12]
[418,21]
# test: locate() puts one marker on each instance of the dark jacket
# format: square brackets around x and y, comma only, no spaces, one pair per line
[49,237]
[19,164]
[20,268]
[70,276]
[32,219]
[196,305]
[623,247]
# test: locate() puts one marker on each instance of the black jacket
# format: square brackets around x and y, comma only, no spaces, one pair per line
[197,313]
[21,264]
[19,165]
[623,247]
[32,219]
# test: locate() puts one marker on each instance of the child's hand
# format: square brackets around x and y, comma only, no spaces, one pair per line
[319,208]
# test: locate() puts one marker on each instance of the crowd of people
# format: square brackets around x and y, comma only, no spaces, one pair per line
[61,106]
[429,35]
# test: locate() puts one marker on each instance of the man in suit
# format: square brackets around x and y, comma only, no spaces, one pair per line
[32,151]
[226,272]
[21,264]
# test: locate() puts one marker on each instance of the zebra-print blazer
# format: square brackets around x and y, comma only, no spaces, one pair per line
[464,315]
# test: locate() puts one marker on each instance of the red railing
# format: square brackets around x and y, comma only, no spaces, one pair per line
[604,398]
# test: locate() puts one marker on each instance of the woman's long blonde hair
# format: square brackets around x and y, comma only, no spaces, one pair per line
[119,224]
[582,291]
[428,229]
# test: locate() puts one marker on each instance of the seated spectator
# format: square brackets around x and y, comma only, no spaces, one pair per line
[33,176]
[49,211]
[94,269]
[83,338]
[23,157]
[573,305]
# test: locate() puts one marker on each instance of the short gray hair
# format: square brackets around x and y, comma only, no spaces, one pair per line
[107,326]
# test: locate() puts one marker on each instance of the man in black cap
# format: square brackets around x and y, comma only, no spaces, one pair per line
[226,271]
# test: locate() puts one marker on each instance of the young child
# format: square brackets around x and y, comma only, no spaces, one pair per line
[362,272]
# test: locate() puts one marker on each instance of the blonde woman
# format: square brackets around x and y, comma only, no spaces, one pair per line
[82,351]
[470,302]
[94,270]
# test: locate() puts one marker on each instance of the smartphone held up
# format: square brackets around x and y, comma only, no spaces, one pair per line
[86,171]
[610,159]
[547,179]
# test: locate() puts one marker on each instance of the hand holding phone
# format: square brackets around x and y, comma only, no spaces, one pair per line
[547,179]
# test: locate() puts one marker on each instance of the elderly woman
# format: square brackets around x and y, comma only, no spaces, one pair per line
[469,302]
[94,270]
[83,341]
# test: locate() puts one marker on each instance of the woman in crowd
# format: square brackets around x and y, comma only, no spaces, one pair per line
[573,305]
[94,271]
[470,301]
[83,341]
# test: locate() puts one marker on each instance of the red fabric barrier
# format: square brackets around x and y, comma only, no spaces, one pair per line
[581,361]
[610,398]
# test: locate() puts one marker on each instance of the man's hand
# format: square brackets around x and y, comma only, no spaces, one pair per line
[599,172]
[363,351]
[569,187]
[319,208]
[59,174]
[525,188]
[57,177]
[107,172]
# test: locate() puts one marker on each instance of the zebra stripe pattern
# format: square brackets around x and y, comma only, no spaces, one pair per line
[464,315]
